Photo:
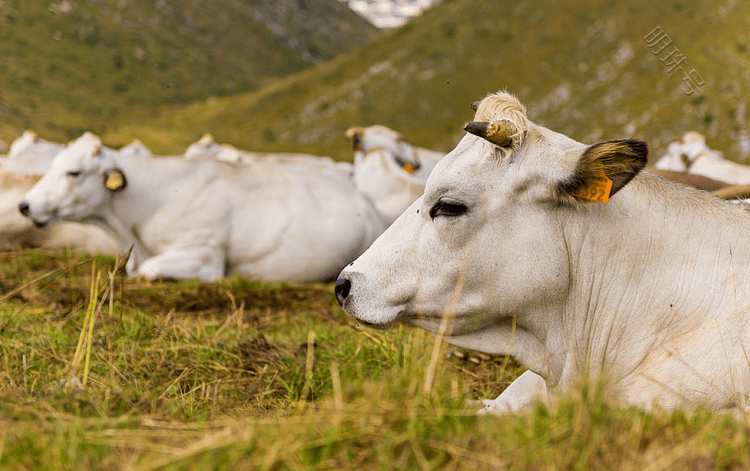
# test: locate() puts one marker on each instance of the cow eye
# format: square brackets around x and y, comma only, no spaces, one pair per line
[447,207]
[74,173]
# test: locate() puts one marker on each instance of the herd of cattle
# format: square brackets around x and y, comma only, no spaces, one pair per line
[214,210]
[217,209]
[520,241]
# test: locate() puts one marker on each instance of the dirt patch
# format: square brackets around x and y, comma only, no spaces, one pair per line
[62,281]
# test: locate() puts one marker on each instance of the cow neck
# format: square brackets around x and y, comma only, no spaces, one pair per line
[148,182]
[652,264]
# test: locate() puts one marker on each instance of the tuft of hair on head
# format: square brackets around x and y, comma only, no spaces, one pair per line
[504,106]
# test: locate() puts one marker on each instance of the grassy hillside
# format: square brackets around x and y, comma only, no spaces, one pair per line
[241,375]
[582,68]
[75,65]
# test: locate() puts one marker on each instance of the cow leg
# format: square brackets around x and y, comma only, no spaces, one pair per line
[206,264]
[524,391]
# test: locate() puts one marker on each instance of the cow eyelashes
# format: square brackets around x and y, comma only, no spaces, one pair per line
[449,208]
[74,173]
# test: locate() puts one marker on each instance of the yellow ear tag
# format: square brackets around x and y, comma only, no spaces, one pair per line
[114,181]
[408,168]
[598,189]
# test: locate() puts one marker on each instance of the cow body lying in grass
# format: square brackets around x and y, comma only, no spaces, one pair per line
[506,253]
[205,219]
[207,148]
[29,155]
[692,155]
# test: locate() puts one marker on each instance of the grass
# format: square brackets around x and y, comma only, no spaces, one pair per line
[101,372]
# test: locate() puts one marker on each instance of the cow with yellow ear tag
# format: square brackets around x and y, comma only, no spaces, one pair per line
[207,218]
[568,257]
[387,169]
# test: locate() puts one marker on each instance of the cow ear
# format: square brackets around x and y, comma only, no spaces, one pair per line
[604,168]
[355,134]
[114,180]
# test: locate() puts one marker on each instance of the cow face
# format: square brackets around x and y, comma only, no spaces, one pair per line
[682,153]
[79,180]
[385,140]
[484,243]
[386,168]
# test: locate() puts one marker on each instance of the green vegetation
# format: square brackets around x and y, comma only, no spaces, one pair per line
[582,68]
[70,66]
[100,372]
[247,375]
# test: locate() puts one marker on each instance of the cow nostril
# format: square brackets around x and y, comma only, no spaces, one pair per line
[24,208]
[342,288]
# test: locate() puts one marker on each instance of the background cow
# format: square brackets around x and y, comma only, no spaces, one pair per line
[692,155]
[389,170]
[30,154]
[204,219]
[207,148]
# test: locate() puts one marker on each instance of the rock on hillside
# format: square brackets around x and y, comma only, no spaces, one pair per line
[389,13]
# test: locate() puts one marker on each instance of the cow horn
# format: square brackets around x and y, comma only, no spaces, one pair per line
[475,105]
[498,132]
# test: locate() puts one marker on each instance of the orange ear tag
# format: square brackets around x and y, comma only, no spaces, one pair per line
[408,168]
[598,189]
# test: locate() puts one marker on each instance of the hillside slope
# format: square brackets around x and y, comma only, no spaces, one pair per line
[74,65]
[583,68]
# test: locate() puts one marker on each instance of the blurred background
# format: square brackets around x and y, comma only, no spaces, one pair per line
[280,75]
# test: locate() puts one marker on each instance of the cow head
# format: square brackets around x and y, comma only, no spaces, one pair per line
[81,178]
[484,243]
[386,168]
[379,137]
[683,153]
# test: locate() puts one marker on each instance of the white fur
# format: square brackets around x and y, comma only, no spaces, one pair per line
[692,155]
[378,174]
[649,291]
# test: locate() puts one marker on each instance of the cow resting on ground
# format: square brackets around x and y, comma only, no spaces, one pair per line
[692,155]
[646,287]
[204,219]
[388,169]
[30,154]
[207,148]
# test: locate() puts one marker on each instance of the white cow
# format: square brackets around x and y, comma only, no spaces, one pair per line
[691,154]
[29,157]
[136,149]
[16,230]
[204,219]
[207,148]
[563,255]
[30,154]
[388,169]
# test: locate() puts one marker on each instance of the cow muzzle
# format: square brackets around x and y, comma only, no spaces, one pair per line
[25,209]
[342,288]
[362,303]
